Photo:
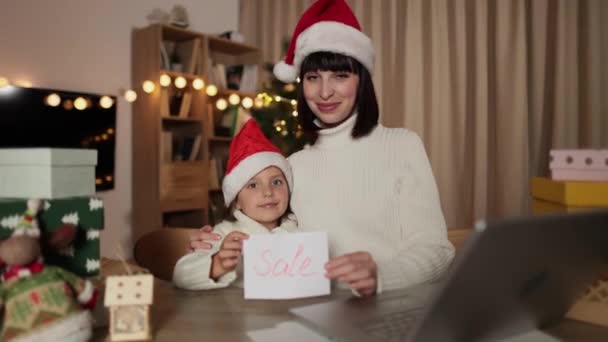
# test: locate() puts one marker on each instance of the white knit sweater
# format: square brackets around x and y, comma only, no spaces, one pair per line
[192,270]
[374,194]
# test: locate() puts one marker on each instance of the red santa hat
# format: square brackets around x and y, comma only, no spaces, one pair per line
[250,153]
[328,25]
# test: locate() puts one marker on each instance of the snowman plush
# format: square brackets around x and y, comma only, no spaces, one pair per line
[40,302]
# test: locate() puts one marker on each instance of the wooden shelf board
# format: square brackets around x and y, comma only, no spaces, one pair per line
[179,118]
[177,34]
[175,74]
[228,46]
[220,139]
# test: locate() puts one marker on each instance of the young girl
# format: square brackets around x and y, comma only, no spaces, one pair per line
[256,190]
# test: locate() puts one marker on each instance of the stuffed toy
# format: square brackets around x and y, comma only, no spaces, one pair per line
[41,302]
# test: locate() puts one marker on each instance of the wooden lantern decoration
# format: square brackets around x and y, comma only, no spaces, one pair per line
[593,306]
[128,298]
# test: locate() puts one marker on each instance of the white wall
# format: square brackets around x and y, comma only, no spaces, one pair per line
[86,46]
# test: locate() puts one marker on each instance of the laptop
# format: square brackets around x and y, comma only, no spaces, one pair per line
[512,276]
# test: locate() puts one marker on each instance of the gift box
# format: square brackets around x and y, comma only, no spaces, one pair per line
[546,207]
[571,193]
[582,165]
[86,213]
[47,172]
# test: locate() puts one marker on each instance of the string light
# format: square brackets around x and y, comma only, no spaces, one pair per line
[130,95]
[278,98]
[68,104]
[106,102]
[148,86]
[247,102]
[180,82]
[258,102]
[24,83]
[53,100]
[294,113]
[198,84]
[211,90]
[234,99]
[80,103]
[294,102]
[221,104]
[164,80]
[4,82]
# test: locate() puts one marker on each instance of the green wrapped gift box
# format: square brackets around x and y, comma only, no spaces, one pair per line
[82,257]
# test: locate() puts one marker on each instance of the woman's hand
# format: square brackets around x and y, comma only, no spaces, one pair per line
[226,259]
[200,239]
[358,270]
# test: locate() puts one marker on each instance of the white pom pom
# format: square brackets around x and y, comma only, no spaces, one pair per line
[285,72]
[34,205]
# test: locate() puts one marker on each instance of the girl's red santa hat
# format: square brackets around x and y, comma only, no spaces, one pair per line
[328,25]
[250,153]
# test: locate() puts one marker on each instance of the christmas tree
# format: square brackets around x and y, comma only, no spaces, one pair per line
[277,116]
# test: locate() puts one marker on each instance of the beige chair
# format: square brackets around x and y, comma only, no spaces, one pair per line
[159,251]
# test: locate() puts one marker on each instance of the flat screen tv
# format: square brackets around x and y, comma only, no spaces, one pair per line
[30,118]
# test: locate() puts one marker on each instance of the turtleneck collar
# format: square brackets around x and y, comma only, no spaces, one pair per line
[338,135]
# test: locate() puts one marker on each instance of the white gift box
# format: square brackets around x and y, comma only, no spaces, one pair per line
[582,165]
[47,172]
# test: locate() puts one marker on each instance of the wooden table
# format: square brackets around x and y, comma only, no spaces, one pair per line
[223,315]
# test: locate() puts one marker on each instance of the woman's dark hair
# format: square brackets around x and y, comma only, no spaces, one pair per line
[366,104]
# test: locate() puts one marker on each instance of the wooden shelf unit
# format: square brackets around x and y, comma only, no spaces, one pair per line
[169,192]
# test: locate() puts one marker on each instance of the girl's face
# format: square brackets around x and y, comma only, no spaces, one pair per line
[265,197]
[331,95]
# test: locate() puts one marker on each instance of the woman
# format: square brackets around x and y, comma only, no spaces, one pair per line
[370,187]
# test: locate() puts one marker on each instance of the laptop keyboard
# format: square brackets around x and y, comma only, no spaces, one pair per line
[393,326]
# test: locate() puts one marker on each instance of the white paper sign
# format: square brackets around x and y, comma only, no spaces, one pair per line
[284,266]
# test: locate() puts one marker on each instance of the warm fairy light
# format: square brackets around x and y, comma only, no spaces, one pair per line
[258,102]
[53,100]
[98,181]
[289,87]
[198,84]
[211,90]
[110,131]
[164,80]
[298,79]
[180,82]
[284,133]
[247,102]
[148,86]
[283,122]
[221,104]
[104,137]
[294,113]
[130,95]
[278,128]
[3,82]
[109,178]
[294,102]
[97,138]
[234,99]
[106,102]
[277,98]
[24,83]
[68,104]
[80,103]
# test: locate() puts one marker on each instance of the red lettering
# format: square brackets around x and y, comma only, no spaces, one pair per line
[263,255]
[281,268]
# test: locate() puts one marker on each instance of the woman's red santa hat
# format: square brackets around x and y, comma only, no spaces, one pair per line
[328,25]
[250,153]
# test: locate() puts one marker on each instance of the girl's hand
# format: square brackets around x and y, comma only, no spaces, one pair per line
[226,259]
[358,270]
[200,238]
